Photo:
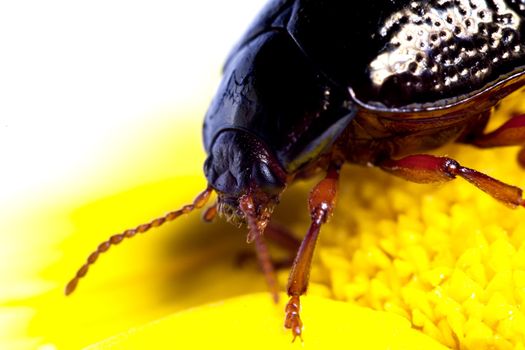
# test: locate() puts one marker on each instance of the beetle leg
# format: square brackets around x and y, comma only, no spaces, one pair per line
[282,237]
[511,133]
[266,264]
[423,168]
[255,233]
[321,203]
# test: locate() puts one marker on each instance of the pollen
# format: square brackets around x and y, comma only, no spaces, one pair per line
[448,258]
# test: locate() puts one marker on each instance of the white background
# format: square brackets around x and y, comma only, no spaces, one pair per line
[76,74]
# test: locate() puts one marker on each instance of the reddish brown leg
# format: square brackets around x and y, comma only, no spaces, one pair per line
[282,237]
[266,264]
[255,233]
[321,204]
[511,133]
[424,168]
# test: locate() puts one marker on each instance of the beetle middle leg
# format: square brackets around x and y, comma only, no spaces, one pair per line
[321,203]
[424,168]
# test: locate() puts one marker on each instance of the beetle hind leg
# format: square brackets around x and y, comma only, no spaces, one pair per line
[423,168]
[511,133]
[321,203]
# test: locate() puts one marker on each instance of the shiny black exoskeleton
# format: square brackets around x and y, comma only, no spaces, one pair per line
[374,79]
[317,83]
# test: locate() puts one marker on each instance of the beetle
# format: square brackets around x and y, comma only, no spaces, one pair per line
[314,84]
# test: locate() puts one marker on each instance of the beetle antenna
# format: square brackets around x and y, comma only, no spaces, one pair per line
[198,202]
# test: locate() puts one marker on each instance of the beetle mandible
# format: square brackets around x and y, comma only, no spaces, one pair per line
[313,84]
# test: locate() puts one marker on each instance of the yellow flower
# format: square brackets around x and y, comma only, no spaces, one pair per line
[442,264]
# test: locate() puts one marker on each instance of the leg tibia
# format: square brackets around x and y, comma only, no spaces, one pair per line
[423,168]
[321,203]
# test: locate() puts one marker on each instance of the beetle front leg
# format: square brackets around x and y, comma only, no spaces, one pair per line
[423,168]
[321,203]
[281,236]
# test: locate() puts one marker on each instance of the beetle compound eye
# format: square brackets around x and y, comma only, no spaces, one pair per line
[266,179]
[198,203]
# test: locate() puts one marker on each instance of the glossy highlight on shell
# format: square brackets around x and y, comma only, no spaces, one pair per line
[403,54]
[448,47]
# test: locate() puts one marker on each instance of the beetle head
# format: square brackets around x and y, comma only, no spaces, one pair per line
[244,173]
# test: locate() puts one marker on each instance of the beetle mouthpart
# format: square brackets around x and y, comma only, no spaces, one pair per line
[256,223]
[198,203]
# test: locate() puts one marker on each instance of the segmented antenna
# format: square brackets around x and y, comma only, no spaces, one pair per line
[198,202]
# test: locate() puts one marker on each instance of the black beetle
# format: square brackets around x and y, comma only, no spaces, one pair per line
[317,83]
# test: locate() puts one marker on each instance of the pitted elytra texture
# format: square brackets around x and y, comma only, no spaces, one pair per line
[449,47]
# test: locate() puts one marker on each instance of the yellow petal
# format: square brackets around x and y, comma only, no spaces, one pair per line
[254,322]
